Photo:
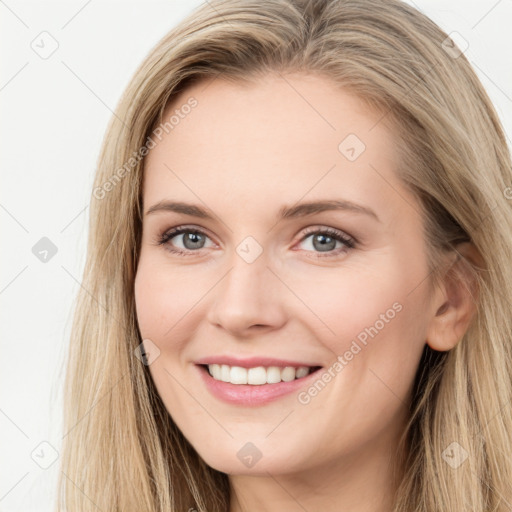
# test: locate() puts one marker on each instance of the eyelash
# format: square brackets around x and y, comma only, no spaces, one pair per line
[348,242]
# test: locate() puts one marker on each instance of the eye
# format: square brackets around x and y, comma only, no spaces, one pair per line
[192,240]
[324,240]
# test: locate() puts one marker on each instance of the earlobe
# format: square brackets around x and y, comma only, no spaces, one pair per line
[455,303]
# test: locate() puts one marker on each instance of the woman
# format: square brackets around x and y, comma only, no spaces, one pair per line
[219,361]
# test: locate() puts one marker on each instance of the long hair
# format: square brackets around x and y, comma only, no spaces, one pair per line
[121,450]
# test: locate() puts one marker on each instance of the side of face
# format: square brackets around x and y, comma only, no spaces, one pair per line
[243,153]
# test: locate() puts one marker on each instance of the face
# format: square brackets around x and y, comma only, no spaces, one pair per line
[341,288]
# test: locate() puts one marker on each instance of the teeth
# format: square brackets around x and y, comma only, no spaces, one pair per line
[256,376]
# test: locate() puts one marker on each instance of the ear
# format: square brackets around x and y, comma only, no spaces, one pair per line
[455,301]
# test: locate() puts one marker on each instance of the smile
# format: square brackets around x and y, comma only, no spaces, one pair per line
[238,391]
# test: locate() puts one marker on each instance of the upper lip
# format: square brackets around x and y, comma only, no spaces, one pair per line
[252,362]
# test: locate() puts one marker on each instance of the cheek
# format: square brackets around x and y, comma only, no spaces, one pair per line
[378,339]
[345,303]
[164,299]
[373,318]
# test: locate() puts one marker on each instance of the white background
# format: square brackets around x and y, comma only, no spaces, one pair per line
[54,114]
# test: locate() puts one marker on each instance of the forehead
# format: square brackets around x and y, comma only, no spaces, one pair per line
[279,139]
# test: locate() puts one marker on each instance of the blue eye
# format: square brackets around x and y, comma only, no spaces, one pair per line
[324,240]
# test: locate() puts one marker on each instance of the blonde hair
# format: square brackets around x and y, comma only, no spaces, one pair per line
[122,451]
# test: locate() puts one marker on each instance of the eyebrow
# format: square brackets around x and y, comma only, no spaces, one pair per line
[285,212]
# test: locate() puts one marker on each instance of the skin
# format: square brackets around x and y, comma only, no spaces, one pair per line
[244,152]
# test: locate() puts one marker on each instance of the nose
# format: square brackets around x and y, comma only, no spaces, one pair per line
[250,298]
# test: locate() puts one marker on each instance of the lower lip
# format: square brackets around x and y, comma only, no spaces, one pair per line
[252,395]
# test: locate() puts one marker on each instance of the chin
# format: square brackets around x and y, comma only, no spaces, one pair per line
[245,458]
